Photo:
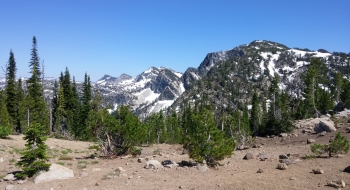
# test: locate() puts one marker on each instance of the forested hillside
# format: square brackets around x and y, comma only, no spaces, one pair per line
[252,90]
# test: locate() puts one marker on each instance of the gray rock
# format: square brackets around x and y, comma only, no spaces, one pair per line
[10,187]
[293,155]
[262,156]
[317,171]
[260,170]
[155,164]
[310,141]
[1,160]
[55,172]
[9,177]
[202,167]
[283,156]
[324,126]
[323,133]
[336,184]
[83,174]
[282,166]
[248,156]
[140,160]
[283,135]
[120,170]
[347,129]
[287,161]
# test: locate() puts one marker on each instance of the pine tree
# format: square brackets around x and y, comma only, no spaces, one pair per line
[10,90]
[34,158]
[255,119]
[38,113]
[206,141]
[81,131]
[21,120]
[5,119]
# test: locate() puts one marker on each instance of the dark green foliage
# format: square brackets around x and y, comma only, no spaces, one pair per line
[38,113]
[205,141]
[21,120]
[34,158]
[11,90]
[5,119]
[339,145]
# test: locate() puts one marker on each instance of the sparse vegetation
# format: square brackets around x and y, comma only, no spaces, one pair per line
[339,145]
[65,157]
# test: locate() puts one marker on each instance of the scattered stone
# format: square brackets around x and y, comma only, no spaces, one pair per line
[317,171]
[283,135]
[123,175]
[130,177]
[9,177]
[282,166]
[83,174]
[347,129]
[126,156]
[166,162]
[1,160]
[153,164]
[140,160]
[283,156]
[327,126]
[347,169]
[287,161]
[306,131]
[10,187]
[336,184]
[55,172]
[310,141]
[97,184]
[202,167]
[262,156]
[181,187]
[96,169]
[292,178]
[257,146]
[293,155]
[260,170]
[248,156]
[323,133]
[120,170]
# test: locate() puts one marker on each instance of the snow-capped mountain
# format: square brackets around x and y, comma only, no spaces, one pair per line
[149,92]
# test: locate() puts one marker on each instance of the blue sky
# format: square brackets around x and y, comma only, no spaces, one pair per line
[115,37]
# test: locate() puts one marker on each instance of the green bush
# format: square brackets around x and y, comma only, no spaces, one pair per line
[339,145]
[4,132]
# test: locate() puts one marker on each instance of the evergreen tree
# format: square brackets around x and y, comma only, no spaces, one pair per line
[11,90]
[21,120]
[34,61]
[82,131]
[345,93]
[255,114]
[38,113]
[5,119]
[205,141]
[54,106]
[34,158]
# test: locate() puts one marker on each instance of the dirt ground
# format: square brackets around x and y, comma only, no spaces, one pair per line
[236,173]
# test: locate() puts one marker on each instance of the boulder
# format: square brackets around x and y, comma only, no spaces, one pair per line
[310,141]
[248,156]
[55,172]
[262,156]
[324,126]
[140,160]
[155,164]
[167,162]
[10,187]
[282,166]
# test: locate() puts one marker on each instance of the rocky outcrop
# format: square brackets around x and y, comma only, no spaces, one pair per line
[327,126]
